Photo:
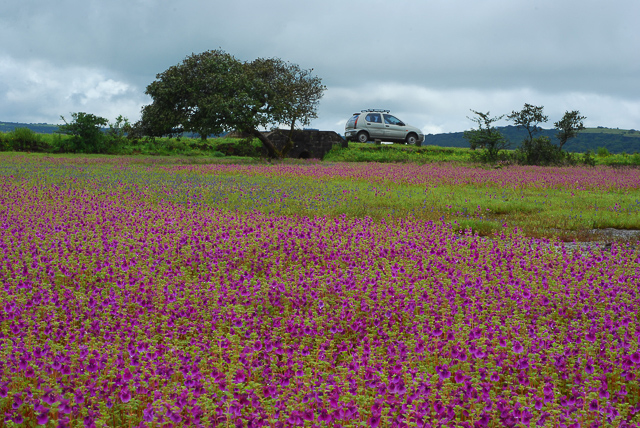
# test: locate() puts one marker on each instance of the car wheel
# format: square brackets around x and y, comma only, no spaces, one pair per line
[412,139]
[363,137]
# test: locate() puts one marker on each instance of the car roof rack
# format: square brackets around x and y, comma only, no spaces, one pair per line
[377,110]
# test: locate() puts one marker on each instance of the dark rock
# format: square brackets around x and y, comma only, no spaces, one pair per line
[307,144]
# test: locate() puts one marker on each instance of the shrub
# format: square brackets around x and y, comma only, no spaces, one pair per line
[86,132]
[23,140]
[116,134]
[539,151]
[588,158]
[603,152]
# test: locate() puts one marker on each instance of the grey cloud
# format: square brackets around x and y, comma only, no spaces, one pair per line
[361,48]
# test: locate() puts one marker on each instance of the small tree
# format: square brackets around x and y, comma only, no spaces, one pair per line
[529,118]
[569,126]
[86,133]
[486,137]
[534,151]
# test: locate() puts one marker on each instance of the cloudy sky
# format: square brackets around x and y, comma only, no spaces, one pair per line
[429,62]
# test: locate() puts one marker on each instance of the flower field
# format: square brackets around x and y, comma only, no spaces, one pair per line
[154,295]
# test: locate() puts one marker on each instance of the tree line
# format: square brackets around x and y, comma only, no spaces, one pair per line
[534,149]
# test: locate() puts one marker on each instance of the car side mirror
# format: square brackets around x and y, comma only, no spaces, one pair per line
[401,124]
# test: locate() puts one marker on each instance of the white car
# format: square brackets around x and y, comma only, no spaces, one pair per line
[375,124]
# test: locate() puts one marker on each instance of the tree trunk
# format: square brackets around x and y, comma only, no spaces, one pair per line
[267,143]
[289,144]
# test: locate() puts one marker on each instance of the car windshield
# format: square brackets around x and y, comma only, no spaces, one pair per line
[391,120]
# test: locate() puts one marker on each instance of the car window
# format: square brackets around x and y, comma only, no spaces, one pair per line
[352,121]
[373,117]
[391,120]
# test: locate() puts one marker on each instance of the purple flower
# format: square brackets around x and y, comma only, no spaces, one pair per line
[49,398]
[175,417]
[64,407]
[517,347]
[374,421]
[324,416]
[444,373]
[593,405]
[240,377]
[635,357]
[308,415]
[93,365]
[523,363]
[43,417]
[125,395]
[17,401]
[603,392]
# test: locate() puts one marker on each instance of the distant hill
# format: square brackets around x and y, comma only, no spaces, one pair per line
[40,128]
[614,140]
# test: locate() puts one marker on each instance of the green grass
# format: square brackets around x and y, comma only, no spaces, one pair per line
[386,153]
[627,132]
[567,214]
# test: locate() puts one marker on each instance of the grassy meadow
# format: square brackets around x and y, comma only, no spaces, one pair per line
[155,291]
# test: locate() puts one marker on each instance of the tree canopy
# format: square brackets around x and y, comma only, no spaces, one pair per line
[213,92]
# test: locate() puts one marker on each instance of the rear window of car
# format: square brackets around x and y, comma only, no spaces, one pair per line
[352,121]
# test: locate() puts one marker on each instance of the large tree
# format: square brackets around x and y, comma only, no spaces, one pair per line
[213,92]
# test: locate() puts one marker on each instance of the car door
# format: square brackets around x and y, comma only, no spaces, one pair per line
[375,127]
[394,128]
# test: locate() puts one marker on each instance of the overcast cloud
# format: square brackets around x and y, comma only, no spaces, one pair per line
[429,62]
